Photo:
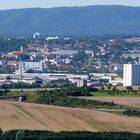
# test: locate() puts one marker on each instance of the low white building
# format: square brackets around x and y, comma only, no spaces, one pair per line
[35,66]
[66,52]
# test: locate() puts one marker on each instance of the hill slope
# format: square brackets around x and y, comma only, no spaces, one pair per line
[15,115]
[72,21]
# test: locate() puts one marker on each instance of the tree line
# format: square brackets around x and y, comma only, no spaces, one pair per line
[48,135]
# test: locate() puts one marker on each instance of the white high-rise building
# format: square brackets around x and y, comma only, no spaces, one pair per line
[36,36]
[131,75]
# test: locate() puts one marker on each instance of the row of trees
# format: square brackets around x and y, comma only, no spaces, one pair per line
[115,89]
[47,135]
[18,85]
[77,91]
[7,45]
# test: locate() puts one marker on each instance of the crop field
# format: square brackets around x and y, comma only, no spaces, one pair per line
[129,101]
[15,115]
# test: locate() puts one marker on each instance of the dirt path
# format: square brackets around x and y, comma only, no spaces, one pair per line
[14,115]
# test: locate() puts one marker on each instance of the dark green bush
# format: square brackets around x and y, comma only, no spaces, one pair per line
[131,112]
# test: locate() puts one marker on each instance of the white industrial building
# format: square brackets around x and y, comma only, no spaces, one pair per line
[36,66]
[131,75]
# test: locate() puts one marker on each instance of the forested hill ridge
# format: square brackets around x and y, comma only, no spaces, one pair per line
[87,20]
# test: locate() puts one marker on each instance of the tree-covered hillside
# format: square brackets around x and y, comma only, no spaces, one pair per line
[72,21]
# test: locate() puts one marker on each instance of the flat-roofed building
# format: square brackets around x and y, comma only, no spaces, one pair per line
[35,66]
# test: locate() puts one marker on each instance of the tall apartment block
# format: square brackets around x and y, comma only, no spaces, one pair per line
[131,75]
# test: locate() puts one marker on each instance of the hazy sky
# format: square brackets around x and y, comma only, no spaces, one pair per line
[12,4]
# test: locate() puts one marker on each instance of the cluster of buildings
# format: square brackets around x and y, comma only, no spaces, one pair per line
[49,57]
[44,78]
[132,54]
[131,76]
[102,79]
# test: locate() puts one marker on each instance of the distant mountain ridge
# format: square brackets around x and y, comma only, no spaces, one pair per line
[87,20]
